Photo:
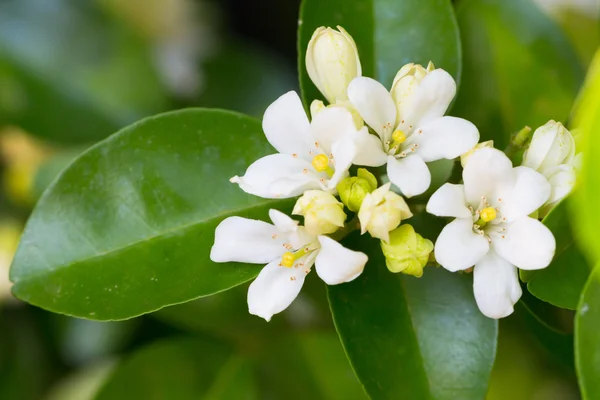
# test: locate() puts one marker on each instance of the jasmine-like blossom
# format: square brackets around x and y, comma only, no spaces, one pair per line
[492,230]
[289,253]
[411,125]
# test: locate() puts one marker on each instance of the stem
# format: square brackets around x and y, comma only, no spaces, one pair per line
[351,226]
[518,141]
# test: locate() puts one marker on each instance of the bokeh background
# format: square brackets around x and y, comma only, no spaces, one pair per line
[72,72]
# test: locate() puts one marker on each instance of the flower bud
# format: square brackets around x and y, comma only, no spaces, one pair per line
[483,145]
[382,211]
[332,62]
[323,213]
[407,251]
[352,190]
[551,145]
[317,106]
[562,180]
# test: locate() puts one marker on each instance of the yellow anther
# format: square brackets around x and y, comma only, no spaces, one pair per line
[398,136]
[288,259]
[320,162]
[488,214]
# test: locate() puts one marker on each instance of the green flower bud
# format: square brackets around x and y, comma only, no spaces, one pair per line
[407,251]
[323,213]
[353,190]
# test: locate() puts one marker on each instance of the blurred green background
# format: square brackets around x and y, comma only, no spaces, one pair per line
[73,72]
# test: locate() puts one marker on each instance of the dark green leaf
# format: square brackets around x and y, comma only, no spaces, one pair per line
[519,68]
[562,281]
[388,33]
[235,381]
[127,228]
[414,338]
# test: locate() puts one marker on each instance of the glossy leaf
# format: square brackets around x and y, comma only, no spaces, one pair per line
[127,228]
[562,281]
[587,346]
[388,34]
[414,338]
[519,68]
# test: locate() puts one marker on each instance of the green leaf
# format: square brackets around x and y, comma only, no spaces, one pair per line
[414,338]
[562,281]
[127,228]
[519,68]
[170,369]
[388,34]
[587,346]
[235,381]
[72,88]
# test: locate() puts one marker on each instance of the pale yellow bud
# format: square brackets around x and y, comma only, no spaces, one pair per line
[483,145]
[332,62]
[317,106]
[323,213]
[405,83]
[551,145]
[407,251]
[353,190]
[382,211]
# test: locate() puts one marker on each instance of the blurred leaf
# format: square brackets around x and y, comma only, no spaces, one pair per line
[235,381]
[388,33]
[48,170]
[519,69]
[245,78]
[71,74]
[127,228]
[84,383]
[170,369]
[414,338]
[562,281]
[587,345]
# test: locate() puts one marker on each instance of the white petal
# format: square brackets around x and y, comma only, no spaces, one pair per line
[278,176]
[282,222]
[458,247]
[530,192]
[487,171]
[336,264]
[449,201]
[374,104]
[274,289]
[446,137]
[527,243]
[562,179]
[286,125]
[288,228]
[343,153]
[496,286]
[369,149]
[410,174]
[247,240]
[430,99]
[331,125]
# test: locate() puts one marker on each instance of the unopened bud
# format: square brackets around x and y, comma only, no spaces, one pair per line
[382,211]
[407,251]
[483,145]
[551,145]
[353,190]
[323,213]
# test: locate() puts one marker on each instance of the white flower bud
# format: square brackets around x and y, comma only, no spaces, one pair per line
[562,179]
[381,212]
[323,213]
[332,62]
[483,145]
[551,145]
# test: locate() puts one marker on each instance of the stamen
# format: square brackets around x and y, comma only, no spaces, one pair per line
[288,259]
[321,164]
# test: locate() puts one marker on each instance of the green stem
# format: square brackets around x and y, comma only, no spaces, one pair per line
[517,142]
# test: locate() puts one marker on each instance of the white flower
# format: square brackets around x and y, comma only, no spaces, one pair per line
[492,229]
[289,252]
[332,62]
[381,212]
[552,153]
[411,124]
[313,155]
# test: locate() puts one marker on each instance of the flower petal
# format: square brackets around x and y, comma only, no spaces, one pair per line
[343,152]
[246,240]
[278,176]
[336,264]
[530,192]
[331,125]
[487,171]
[562,179]
[369,149]
[445,137]
[286,125]
[374,104]
[430,99]
[274,289]
[458,247]
[527,243]
[496,286]
[410,174]
[282,222]
[449,201]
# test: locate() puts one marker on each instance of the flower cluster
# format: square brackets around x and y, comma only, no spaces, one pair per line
[495,210]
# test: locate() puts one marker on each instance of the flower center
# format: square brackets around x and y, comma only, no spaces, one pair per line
[288,259]
[321,164]
[486,215]
[488,221]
